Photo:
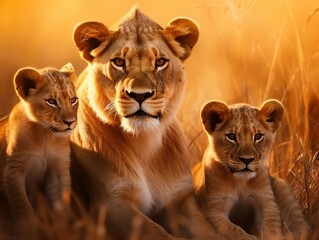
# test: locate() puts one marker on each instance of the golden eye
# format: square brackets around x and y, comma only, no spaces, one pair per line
[118,62]
[231,137]
[74,101]
[161,63]
[258,137]
[51,102]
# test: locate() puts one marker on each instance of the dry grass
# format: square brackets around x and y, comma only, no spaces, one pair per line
[262,49]
[283,70]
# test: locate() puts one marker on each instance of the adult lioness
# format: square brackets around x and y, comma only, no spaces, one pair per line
[129,152]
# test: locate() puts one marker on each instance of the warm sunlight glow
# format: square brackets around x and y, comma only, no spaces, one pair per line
[248,51]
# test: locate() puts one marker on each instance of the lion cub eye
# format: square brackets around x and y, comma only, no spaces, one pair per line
[74,101]
[258,137]
[51,102]
[118,63]
[231,137]
[161,63]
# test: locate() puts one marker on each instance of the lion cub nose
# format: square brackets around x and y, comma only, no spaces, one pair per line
[140,97]
[246,159]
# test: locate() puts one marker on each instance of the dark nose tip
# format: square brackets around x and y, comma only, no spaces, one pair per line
[246,160]
[69,123]
[140,97]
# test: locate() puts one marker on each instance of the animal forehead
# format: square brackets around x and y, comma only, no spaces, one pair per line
[137,26]
[58,82]
[140,37]
[142,53]
[244,116]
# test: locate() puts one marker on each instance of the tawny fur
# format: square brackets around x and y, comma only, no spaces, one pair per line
[294,225]
[129,153]
[233,184]
[34,142]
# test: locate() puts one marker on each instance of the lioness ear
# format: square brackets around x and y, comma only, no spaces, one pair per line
[68,71]
[212,114]
[272,111]
[89,36]
[181,35]
[27,81]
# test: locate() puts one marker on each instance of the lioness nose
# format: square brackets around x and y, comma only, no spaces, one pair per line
[140,97]
[68,122]
[247,160]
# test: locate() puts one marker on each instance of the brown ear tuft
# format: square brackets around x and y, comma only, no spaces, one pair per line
[212,114]
[89,36]
[272,112]
[183,31]
[26,81]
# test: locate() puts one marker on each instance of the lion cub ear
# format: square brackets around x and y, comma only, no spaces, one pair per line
[89,36]
[181,34]
[27,81]
[68,71]
[214,113]
[272,112]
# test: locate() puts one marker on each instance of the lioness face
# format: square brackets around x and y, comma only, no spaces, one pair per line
[143,81]
[137,70]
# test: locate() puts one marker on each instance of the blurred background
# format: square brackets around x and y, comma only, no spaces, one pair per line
[245,49]
[248,51]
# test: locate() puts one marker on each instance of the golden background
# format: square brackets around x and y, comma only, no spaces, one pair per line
[248,51]
[245,47]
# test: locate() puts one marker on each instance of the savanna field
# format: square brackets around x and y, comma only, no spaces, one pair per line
[248,51]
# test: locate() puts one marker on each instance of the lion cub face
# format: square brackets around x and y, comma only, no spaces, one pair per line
[240,135]
[49,97]
[136,69]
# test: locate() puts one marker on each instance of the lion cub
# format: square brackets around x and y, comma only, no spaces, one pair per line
[233,184]
[34,140]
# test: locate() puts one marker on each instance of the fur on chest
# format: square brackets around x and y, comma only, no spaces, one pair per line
[154,190]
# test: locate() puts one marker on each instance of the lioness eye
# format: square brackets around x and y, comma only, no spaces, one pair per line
[51,102]
[74,101]
[231,137]
[118,63]
[258,137]
[161,63]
